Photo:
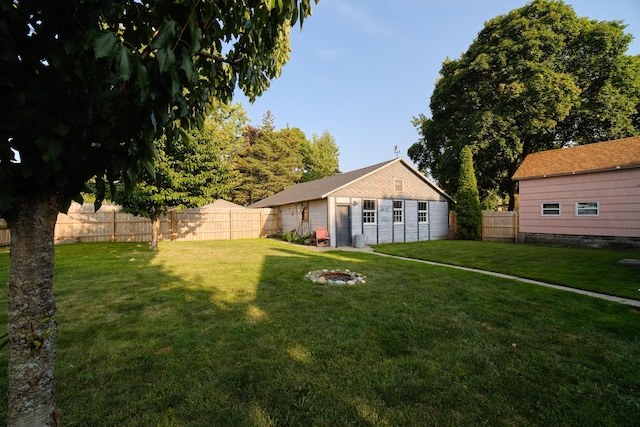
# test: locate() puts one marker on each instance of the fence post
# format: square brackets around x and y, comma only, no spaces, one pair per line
[172,225]
[113,225]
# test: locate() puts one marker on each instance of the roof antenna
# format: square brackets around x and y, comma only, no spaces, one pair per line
[395,150]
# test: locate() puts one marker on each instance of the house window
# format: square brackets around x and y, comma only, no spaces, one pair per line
[369,211]
[551,209]
[305,212]
[398,211]
[398,185]
[587,208]
[423,212]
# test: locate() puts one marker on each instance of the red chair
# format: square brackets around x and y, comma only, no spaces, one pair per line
[322,236]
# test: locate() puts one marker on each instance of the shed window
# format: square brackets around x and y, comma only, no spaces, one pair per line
[551,209]
[369,211]
[587,208]
[423,212]
[398,185]
[398,211]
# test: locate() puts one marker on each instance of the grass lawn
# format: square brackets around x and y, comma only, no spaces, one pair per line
[230,333]
[594,270]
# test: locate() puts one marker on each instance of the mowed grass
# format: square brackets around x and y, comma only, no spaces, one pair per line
[594,270]
[231,334]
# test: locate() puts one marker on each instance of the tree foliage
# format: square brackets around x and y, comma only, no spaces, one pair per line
[191,172]
[320,157]
[87,86]
[468,208]
[269,161]
[535,79]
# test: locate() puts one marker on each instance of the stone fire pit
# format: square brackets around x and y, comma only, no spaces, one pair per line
[335,277]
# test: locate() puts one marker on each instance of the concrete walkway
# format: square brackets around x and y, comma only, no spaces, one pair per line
[367,249]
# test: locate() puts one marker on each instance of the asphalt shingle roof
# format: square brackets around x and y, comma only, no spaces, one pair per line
[601,156]
[318,188]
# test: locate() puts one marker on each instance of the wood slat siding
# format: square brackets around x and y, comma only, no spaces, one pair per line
[410,226]
[385,220]
[438,220]
[109,225]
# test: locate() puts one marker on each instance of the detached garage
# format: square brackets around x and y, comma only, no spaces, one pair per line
[384,203]
[587,195]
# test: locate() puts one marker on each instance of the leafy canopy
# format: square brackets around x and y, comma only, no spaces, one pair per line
[88,85]
[320,157]
[535,79]
[193,171]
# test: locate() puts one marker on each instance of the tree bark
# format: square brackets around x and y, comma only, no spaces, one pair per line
[32,312]
[155,232]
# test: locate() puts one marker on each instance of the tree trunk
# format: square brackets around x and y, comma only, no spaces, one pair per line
[32,312]
[155,232]
[512,194]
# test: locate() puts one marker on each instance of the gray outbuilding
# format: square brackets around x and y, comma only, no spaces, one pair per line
[383,203]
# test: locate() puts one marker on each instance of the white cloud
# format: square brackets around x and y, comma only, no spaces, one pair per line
[359,16]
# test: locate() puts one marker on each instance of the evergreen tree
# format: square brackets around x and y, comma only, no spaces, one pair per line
[267,162]
[468,209]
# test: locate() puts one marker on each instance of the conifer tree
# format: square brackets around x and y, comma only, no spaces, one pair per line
[468,209]
[269,161]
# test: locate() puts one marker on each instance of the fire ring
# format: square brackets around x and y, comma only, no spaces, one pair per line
[336,277]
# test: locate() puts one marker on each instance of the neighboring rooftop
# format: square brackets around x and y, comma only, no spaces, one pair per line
[600,156]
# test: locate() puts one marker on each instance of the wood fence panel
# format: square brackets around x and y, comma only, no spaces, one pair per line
[271,224]
[500,226]
[245,224]
[211,225]
[131,228]
[82,224]
[85,226]
[5,237]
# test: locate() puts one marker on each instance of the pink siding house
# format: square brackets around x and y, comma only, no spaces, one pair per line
[587,195]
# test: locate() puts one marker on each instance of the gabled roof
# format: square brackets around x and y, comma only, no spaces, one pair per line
[601,156]
[222,204]
[322,188]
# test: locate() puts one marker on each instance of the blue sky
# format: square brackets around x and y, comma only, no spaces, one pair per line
[362,69]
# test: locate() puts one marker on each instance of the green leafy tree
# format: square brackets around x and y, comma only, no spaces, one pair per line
[468,208]
[87,87]
[535,79]
[191,172]
[320,157]
[268,161]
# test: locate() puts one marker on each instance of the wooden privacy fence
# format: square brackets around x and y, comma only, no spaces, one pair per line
[500,226]
[109,224]
[496,226]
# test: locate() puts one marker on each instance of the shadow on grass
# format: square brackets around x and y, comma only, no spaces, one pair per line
[237,337]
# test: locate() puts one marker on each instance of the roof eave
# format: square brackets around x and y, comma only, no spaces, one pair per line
[609,169]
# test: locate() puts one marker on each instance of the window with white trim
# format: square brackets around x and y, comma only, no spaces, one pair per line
[587,208]
[398,211]
[423,212]
[369,211]
[550,209]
